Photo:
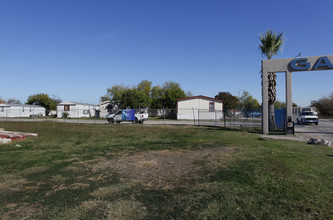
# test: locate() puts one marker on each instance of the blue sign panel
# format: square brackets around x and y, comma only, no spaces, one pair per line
[302,64]
[128,114]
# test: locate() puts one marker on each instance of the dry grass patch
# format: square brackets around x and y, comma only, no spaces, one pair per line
[100,209]
[58,179]
[158,169]
[79,186]
[55,189]
[126,209]
[12,183]
[33,170]
[110,191]
[21,211]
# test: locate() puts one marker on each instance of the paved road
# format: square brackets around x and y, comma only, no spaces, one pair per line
[322,131]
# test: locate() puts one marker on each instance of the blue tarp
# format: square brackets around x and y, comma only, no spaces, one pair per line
[280,118]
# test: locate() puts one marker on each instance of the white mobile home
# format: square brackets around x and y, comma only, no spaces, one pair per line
[21,110]
[200,107]
[76,110]
[107,107]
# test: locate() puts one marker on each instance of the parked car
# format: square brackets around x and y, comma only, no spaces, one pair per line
[127,115]
[308,117]
[255,114]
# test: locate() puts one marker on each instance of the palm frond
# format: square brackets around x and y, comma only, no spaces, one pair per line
[270,43]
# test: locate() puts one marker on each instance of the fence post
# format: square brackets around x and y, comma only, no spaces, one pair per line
[252,121]
[193,115]
[164,115]
[215,119]
[224,119]
[95,114]
[234,117]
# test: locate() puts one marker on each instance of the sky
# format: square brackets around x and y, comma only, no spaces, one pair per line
[76,49]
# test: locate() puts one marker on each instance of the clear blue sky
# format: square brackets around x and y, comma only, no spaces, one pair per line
[76,49]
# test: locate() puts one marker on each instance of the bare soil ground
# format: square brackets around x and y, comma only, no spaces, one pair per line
[159,169]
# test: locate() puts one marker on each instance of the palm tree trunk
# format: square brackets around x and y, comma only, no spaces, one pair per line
[271,100]
[271,112]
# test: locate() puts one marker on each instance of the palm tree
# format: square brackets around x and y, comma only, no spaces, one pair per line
[270,45]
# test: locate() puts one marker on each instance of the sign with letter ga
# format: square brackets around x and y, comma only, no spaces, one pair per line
[302,64]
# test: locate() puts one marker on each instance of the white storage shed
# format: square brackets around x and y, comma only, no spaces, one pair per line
[20,110]
[200,107]
[76,110]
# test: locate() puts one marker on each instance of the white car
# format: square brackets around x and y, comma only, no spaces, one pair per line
[127,115]
[308,118]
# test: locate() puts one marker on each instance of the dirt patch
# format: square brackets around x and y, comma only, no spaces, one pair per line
[160,169]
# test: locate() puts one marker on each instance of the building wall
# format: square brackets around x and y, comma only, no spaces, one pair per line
[21,111]
[103,108]
[77,110]
[198,108]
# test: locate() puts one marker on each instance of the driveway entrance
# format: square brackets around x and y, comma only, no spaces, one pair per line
[322,131]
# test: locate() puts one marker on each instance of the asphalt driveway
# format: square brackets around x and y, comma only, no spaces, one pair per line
[322,131]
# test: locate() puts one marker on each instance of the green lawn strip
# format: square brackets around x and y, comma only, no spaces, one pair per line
[66,173]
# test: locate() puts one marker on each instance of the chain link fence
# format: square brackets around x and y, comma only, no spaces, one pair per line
[235,119]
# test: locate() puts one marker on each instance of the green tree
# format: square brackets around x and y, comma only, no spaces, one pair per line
[133,98]
[42,100]
[104,98]
[270,44]
[230,102]
[167,95]
[248,103]
[145,86]
[324,105]
[143,95]
[13,101]
[115,92]
[279,105]
[156,96]
[2,101]
[56,99]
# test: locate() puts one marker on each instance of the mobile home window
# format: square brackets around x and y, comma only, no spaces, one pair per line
[66,108]
[22,109]
[211,106]
[2,109]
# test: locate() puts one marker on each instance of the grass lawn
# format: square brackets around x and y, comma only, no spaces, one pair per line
[101,171]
